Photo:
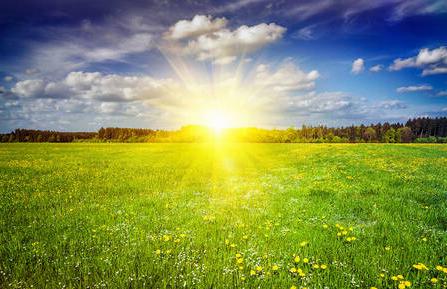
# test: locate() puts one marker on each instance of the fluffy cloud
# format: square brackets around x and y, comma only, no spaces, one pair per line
[430,61]
[442,93]
[376,68]
[199,25]
[8,78]
[358,66]
[93,85]
[321,102]
[287,77]
[414,88]
[208,39]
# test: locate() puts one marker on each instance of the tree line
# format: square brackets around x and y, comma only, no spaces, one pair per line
[423,129]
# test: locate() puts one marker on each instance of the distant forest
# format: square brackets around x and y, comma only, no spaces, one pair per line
[423,130]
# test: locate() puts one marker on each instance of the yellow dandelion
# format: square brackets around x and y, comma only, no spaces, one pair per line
[401,286]
[238,255]
[158,251]
[434,280]
[292,270]
[304,243]
[325,226]
[293,287]
[239,260]
[407,283]
[394,278]
[305,260]
[382,275]
[252,272]
[316,266]
[400,277]
[297,259]
[258,268]
[232,245]
[275,267]
[323,266]
[372,287]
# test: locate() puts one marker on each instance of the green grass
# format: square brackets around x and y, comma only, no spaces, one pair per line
[97,215]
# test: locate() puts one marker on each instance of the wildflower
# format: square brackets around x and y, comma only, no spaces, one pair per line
[242,278]
[407,283]
[293,287]
[258,268]
[227,242]
[424,239]
[297,259]
[245,237]
[382,275]
[316,266]
[400,277]
[304,243]
[252,272]
[325,226]
[305,260]
[373,288]
[420,266]
[239,260]
[232,245]
[439,268]
[349,239]
[344,233]
[394,278]
[338,234]
[168,251]
[238,255]
[166,238]
[292,270]
[158,252]
[434,280]
[387,248]
[323,266]
[275,267]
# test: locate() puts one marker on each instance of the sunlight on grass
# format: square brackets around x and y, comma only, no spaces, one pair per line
[222,215]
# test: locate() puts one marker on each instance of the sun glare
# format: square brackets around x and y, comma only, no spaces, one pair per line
[218,120]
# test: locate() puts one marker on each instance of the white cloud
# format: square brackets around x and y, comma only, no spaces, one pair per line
[287,77]
[430,61]
[305,33]
[358,66]
[29,88]
[414,88]
[220,44]
[442,93]
[321,102]
[93,85]
[8,78]
[199,25]
[392,104]
[376,68]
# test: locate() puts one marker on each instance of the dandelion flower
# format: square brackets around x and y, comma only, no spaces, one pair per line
[305,260]
[323,266]
[252,272]
[258,268]
[297,259]
[434,280]
[275,267]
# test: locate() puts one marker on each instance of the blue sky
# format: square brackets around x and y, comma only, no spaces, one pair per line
[79,65]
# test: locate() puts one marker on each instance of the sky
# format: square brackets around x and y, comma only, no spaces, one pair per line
[77,65]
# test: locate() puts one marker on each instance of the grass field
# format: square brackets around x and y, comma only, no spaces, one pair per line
[223,216]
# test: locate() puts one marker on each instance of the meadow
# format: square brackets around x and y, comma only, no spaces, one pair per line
[223,216]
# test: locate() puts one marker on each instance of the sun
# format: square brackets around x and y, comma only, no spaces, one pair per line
[218,120]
